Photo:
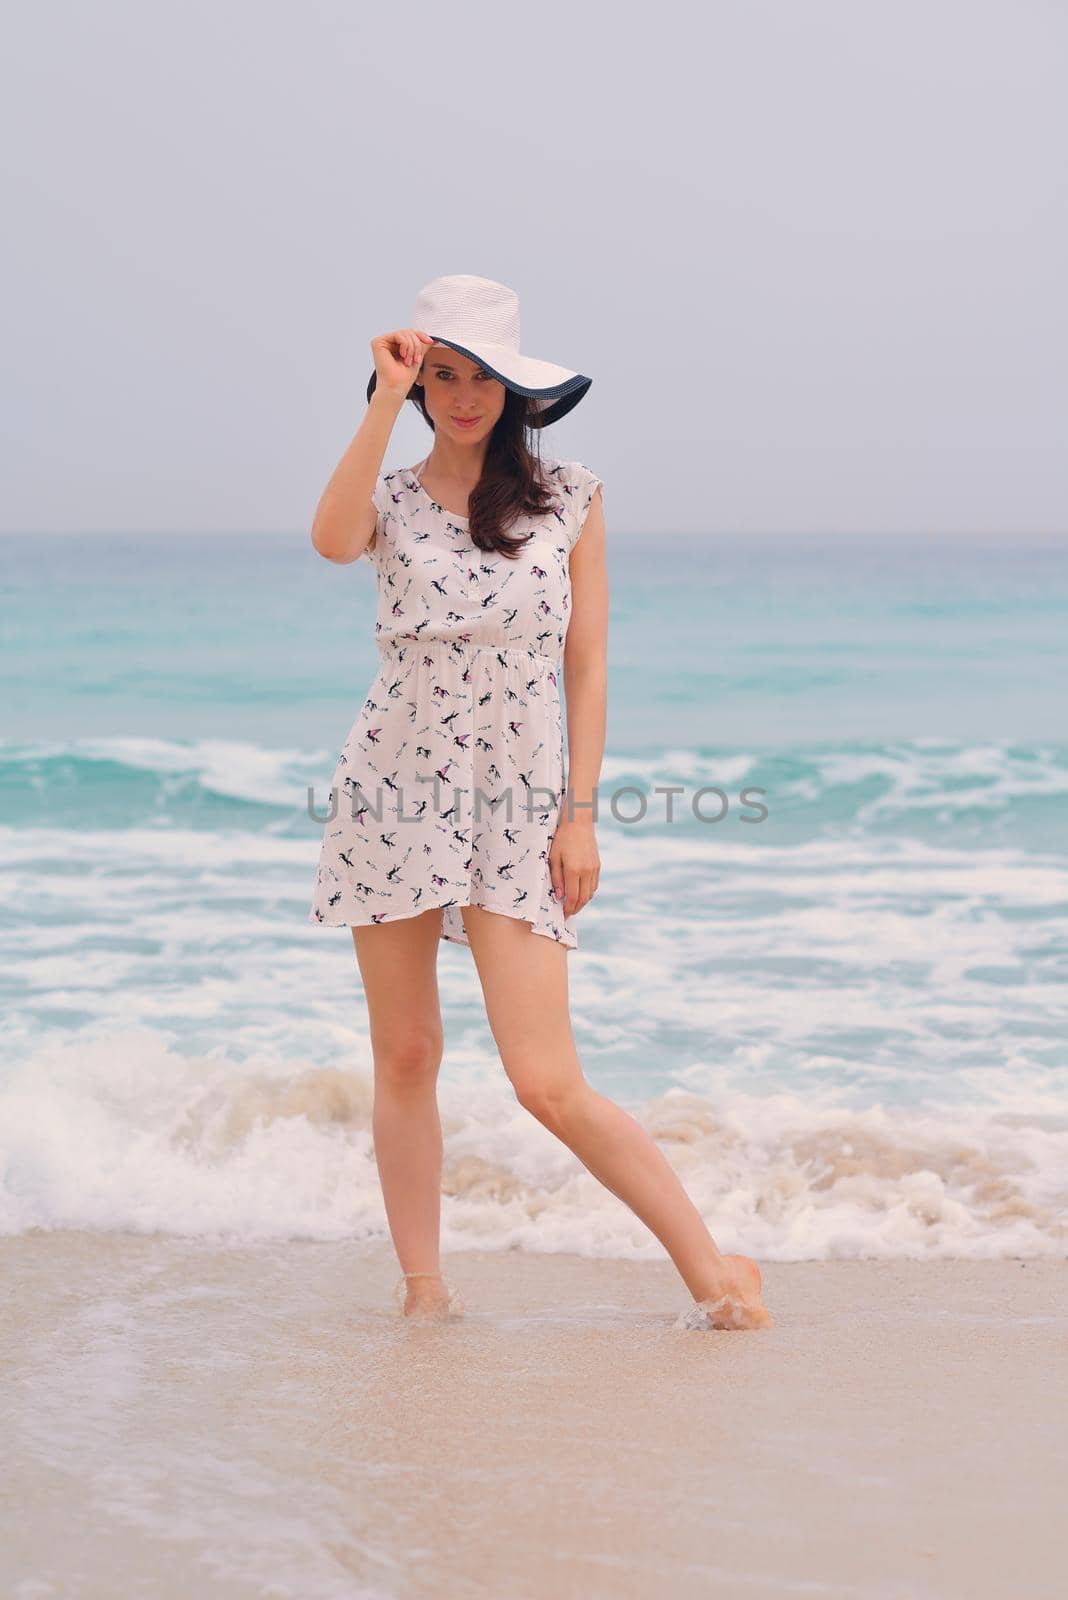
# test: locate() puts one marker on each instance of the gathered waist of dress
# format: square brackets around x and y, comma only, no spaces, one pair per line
[465,651]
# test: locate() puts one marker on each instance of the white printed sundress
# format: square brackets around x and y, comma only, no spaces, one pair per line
[449,786]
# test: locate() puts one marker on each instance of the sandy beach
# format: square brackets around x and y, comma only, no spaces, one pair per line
[182,1417]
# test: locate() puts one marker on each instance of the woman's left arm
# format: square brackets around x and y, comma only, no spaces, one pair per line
[574,862]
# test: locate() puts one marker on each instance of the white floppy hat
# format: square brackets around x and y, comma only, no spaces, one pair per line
[480,319]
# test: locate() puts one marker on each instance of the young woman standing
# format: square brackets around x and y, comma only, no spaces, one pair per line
[454,819]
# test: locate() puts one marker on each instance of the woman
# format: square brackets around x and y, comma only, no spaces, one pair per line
[491,567]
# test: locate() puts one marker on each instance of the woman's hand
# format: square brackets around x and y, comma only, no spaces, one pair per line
[574,864]
[398,359]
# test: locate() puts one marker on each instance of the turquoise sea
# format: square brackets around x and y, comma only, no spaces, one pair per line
[847,1022]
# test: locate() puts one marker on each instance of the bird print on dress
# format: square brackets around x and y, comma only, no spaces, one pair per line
[450,782]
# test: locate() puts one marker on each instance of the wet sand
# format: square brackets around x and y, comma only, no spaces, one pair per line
[182,1417]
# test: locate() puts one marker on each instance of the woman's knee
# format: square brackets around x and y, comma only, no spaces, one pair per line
[547,1096]
[408,1056]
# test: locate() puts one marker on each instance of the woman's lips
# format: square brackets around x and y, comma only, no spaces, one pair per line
[465,422]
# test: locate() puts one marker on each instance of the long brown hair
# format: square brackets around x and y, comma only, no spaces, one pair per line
[512,482]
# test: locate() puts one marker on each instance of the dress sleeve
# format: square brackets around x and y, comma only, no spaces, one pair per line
[584,485]
[382,503]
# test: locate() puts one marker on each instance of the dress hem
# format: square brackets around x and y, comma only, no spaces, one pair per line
[441,905]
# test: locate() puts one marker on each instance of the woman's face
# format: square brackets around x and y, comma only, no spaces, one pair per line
[456,388]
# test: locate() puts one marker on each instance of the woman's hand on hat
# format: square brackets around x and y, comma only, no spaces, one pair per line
[398,358]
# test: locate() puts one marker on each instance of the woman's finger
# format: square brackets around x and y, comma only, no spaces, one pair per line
[587,889]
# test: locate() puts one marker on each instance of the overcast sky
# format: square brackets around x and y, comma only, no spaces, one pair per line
[812,254]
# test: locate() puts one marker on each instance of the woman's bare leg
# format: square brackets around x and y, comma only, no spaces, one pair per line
[524,982]
[398,964]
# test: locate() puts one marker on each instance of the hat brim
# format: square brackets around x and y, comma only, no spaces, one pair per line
[551,400]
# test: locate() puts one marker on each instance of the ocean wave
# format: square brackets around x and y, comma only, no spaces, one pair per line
[123,1133]
[893,786]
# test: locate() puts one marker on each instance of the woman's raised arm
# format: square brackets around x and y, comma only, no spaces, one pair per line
[345,518]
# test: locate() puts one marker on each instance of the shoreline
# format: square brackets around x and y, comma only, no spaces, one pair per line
[262,1417]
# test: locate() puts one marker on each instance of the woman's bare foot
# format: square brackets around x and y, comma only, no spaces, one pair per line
[428,1296]
[732,1298]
